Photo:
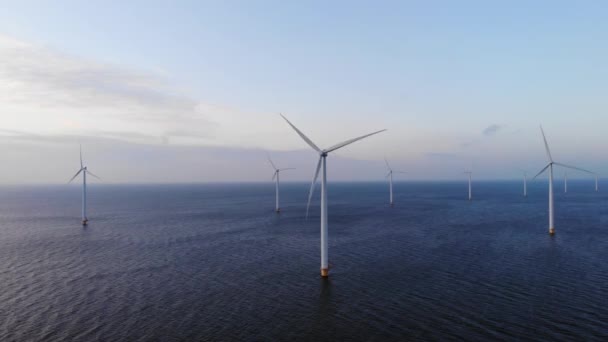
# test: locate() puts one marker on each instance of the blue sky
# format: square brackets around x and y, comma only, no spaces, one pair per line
[456,83]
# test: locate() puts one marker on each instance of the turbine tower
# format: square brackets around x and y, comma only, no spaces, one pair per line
[84,171]
[390,181]
[596,188]
[321,165]
[525,184]
[470,192]
[275,177]
[565,182]
[550,167]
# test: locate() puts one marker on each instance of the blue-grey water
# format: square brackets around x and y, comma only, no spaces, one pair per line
[215,263]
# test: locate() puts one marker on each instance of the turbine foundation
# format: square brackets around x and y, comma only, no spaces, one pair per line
[324,272]
[551,231]
[84,222]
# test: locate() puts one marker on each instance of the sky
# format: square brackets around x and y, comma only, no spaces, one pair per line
[191,91]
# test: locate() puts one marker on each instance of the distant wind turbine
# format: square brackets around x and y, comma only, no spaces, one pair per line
[321,164]
[525,183]
[275,177]
[550,167]
[84,171]
[390,180]
[565,182]
[470,192]
[596,188]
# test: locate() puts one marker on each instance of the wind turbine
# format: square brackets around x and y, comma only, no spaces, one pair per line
[550,167]
[84,171]
[390,180]
[596,188]
[525,183]
[275,177]
[321,164]
[470,193]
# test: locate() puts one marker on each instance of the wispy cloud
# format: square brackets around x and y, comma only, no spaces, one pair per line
[440,155]
[50,91]
[46,92]
[90,137]
[492,130]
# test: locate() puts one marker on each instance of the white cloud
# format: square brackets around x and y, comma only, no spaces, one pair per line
[44,91]
[492,130]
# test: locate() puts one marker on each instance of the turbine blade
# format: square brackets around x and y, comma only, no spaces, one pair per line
[271,163]
[388,166]
[546,145]
[76,175]
[388,174]
[350,141]
[287,168]
[274,175]
[308,141]
[81,166]
[92,174]
[573,167]
[312,186]
[541,171]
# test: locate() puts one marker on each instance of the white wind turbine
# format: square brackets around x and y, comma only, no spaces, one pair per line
[550,167]
[470,192]
[275,177]
[596,188]
[390,180]
[321,164]
[525,183]
[84,171]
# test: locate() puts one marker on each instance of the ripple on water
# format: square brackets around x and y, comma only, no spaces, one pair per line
[190,263]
